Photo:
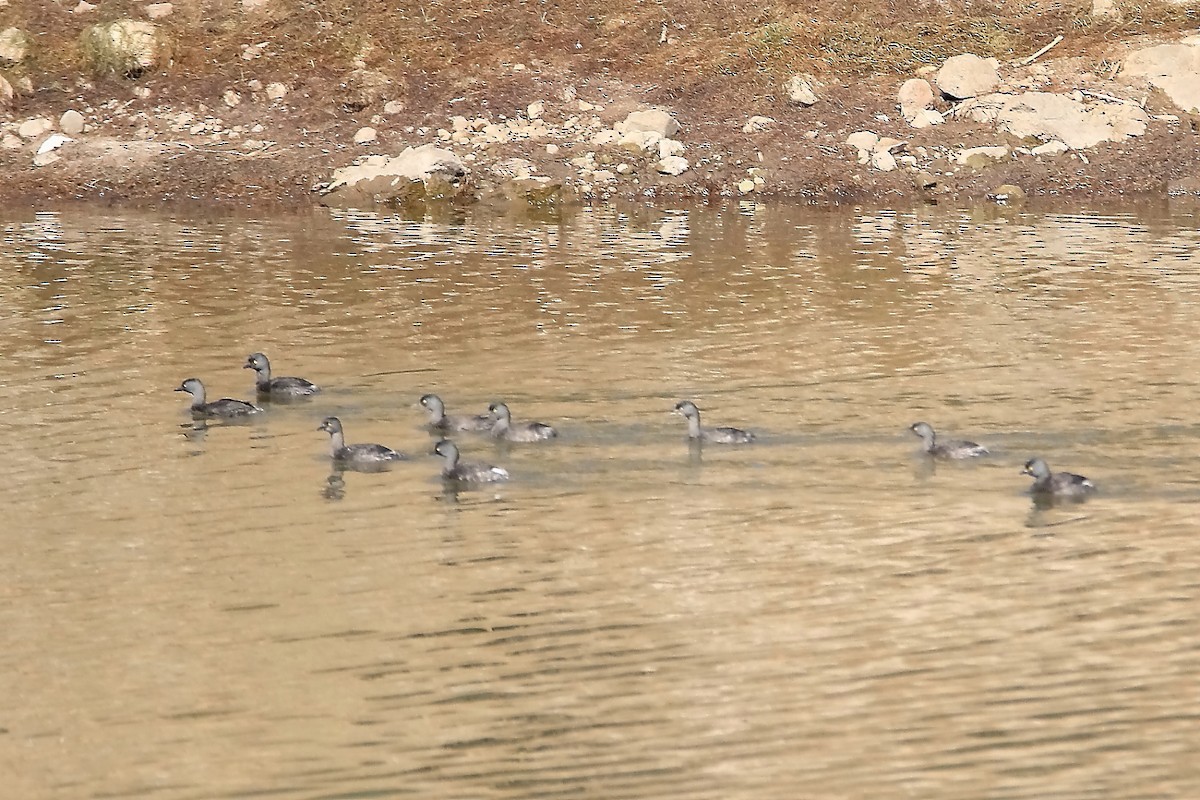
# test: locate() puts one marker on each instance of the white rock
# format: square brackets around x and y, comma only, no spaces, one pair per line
[624,169]
[1046,115]
[977,156]
[14,46]
[53,142]
[71,123]
[757,124]
[425,171]
[605,137]
[231,98]
[551,149]
[278,91]
[926,117]
[800,90]
[33,128]
[672,165]
[883,160]
[1104,8]
[142,92]
[124,46]
[654,120]
[915,96]
[1173,68]
[10,142]
[607,176]
[535,109]
[369,135]
[45,159]
[1052,148]
[639,140]
[6,94]
[568,94]
[83,7]
[251,6]
[669,147]
[158,10]
[863,140]
[746,186]
[966,75]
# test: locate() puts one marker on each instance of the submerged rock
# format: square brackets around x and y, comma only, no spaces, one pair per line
[532,189]
[1007,193]
[422,173]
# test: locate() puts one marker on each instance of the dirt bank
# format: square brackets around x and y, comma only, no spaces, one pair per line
[263,131]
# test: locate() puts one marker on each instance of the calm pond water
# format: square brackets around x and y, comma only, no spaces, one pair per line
[198,611]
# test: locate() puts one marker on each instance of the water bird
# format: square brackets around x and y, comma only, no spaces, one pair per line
[724,435]
[953,449]
[225,408]
[1057,484]
[355,455]
[455,470]
[282,388]
[440,420]
[504,428]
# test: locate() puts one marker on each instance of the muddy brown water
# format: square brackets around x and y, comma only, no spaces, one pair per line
[195,611]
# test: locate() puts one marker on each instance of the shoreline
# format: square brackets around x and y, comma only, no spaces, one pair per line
[534,136]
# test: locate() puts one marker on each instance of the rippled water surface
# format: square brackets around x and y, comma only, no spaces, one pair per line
[194,611]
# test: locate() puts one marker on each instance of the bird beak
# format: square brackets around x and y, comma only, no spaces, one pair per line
[247,365]
[179,389]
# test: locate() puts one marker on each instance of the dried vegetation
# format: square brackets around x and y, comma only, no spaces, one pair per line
[685,46]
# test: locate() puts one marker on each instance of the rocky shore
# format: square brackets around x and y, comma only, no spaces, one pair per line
[1125,122]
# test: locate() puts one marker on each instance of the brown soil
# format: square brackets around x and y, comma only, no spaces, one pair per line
[711,72]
